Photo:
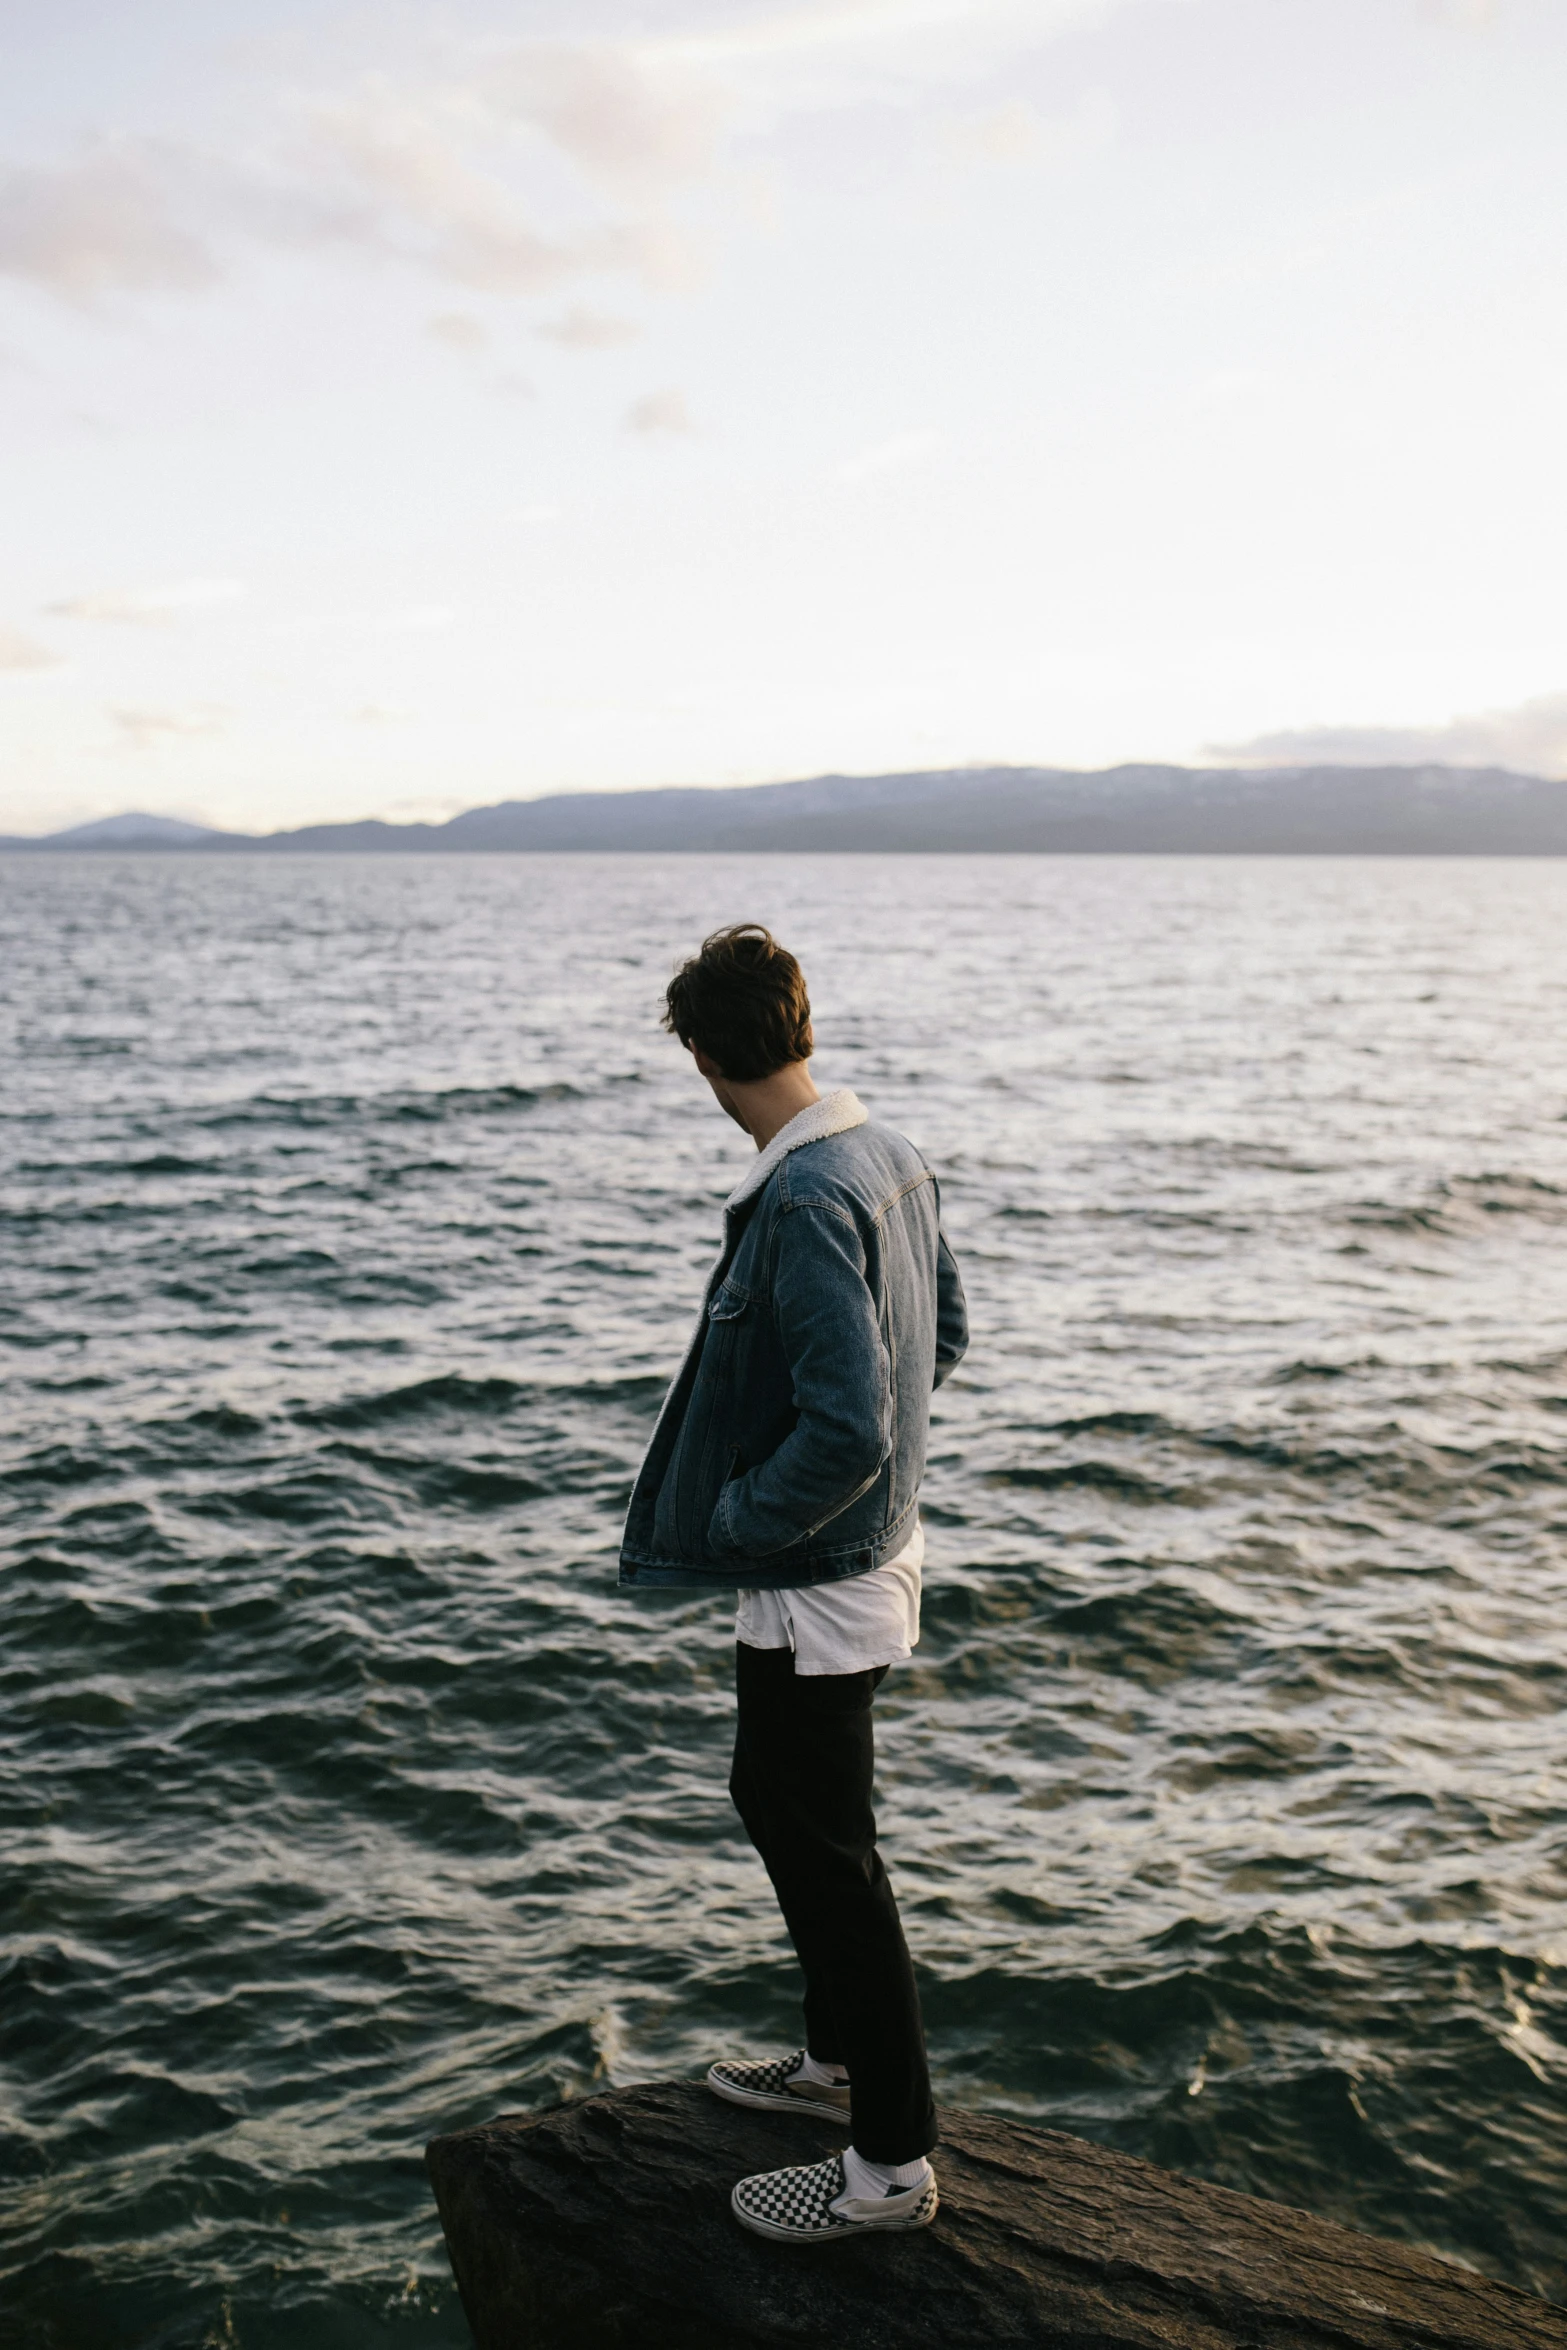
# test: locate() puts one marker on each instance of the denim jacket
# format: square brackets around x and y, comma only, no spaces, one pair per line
[791,1446]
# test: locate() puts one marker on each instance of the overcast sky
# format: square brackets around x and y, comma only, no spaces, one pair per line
[408,406]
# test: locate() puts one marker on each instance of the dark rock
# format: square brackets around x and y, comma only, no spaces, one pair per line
[606,2226]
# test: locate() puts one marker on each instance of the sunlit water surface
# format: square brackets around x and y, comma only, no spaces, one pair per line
[354,1215]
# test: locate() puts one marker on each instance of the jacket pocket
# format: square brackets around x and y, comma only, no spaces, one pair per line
[697,1462]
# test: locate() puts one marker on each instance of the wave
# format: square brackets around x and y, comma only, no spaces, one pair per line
[346,1798]
[335,1109]
[465,1397]
[449,1484]
[1161,1624]
[449,1391]
[1459,1205]
[1103,1476]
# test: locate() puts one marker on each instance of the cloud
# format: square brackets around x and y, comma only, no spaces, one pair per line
[421,198]
[142,729]
[419,620]
[904,449]
[630,116]
[829,26]
[588,330]
[404,620]
[517,171]
[453,178]
[660,412]
[20,654]
[106,222]
[1007,134]
[1017,133]
[458,331]
[1531,738]
[1467,15]
[150,609]
[450,179]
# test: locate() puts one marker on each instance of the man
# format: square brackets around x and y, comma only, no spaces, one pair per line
[785,1465]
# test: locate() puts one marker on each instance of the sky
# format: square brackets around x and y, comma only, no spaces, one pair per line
[413,405]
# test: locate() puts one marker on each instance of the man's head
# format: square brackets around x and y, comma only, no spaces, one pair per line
[741,1004]
[740,1008]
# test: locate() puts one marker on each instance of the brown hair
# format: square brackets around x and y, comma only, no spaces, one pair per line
[743,1001]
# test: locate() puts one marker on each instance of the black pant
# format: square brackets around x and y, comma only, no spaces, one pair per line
[804,1757]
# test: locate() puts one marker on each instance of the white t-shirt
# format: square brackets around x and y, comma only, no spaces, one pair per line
[845,1627]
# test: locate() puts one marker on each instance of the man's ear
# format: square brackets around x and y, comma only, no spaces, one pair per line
[706,1067]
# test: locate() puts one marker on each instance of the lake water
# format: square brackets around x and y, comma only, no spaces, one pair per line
[354,1215]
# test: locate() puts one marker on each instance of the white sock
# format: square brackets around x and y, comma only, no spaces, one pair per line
[820,2076]
[873,2180]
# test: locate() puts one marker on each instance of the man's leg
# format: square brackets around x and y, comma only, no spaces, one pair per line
[749,1794]
[804,1759]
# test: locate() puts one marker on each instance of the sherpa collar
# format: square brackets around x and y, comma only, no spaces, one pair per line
[835,1113]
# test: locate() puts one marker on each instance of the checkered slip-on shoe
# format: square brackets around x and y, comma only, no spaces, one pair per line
[812,2206]
[768,2085]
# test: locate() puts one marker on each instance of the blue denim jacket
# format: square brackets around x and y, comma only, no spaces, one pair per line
[791,1445]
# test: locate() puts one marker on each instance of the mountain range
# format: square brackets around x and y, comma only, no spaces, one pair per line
[1294,811]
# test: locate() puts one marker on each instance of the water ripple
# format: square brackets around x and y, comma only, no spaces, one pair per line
[359,1211]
